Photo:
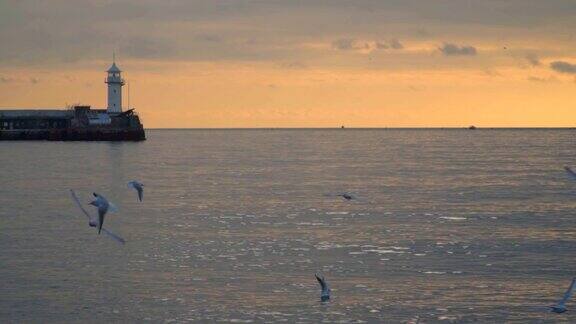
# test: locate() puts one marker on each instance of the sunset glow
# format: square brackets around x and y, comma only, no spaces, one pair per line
[311,64]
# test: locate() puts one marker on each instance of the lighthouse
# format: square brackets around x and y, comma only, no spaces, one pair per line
[115,83]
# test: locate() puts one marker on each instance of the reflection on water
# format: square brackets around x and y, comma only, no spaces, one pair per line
[449,226]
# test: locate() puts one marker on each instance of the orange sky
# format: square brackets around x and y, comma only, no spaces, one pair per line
[237,70]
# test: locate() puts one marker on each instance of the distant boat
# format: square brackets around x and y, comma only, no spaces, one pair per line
[472,127]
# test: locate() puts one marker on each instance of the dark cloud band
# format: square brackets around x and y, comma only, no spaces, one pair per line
[450,49]
[563,67]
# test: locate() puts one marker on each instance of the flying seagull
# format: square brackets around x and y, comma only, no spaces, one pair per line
[325,294]
[138,187]
[93,222]
[104,206]
[561,306]
[571,173]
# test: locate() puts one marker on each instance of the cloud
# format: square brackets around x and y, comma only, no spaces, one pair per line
[423,33]
[392,44]
[146,48]
[207,30]
[450,49]
[492,73]
[533,59]
[348,44]
[395,44]
[416,88]
[294,65]
[542,80]
[381,45]
[563,67]
[536,79]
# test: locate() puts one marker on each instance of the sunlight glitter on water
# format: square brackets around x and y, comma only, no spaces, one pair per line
[235,224]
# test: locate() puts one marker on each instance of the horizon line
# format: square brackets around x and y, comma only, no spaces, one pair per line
[363,128]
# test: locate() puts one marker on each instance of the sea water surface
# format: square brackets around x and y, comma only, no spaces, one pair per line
[449,226]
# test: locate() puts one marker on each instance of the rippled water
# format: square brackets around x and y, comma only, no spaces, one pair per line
[449,226]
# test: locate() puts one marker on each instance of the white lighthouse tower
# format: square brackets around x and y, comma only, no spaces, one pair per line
[115,83]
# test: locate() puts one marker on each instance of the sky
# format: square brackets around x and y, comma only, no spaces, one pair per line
[298,63]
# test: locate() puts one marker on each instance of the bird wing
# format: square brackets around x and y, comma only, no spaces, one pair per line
[568,292]
[101,213]
[571,173]
[114,236]
[111,207]
[321,281]
[140,193]
[77,201]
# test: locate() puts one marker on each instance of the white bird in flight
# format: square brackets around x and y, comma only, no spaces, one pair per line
[325,293]
[93,222]
[571,173]
[560,307]
[138,187]
[104,206]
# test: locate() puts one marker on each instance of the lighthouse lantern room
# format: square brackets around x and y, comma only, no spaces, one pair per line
[115,83]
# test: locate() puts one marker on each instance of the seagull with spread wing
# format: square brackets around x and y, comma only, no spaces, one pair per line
[560,307]
[104,206]
[93,222]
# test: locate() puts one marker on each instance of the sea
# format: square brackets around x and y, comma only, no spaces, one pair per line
[445,226]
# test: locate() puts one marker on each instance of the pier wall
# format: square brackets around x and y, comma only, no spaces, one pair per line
[73,135]
[70,125]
